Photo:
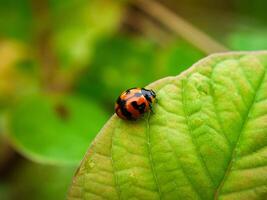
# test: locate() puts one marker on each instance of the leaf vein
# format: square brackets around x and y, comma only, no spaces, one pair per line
[151,161]
[183,170]
[199,155]
[233,154]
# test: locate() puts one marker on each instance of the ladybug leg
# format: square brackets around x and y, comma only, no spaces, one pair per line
[151,108]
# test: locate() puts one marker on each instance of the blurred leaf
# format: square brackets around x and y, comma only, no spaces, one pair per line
[207,138]
[55,131]
[179,56]
[79,24]
[15,19]
[33,181]
[255,9]
[119,62]
[122,62]
[17,74]
[4,191]
[248,39]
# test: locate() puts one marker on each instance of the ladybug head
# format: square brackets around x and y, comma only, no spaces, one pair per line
[150,95]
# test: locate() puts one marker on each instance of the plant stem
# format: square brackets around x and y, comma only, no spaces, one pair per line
[180,26]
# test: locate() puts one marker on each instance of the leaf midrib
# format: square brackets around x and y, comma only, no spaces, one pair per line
[199,155]
[233,153]
[151,161]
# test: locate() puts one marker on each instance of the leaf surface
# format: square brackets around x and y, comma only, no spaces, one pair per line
[206,140]
[54,131]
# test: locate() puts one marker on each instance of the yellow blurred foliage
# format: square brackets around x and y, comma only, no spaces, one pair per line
[11,52]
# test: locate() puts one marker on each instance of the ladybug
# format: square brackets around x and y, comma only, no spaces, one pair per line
[134,102]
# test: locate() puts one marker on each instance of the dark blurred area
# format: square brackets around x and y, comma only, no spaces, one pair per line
[63,64]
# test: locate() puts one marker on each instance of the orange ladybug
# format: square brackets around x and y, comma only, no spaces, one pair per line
[134,102]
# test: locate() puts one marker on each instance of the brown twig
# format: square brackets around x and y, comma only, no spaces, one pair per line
[180,26]
[137,23]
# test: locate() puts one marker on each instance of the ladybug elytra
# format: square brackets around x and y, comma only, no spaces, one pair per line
[134,102]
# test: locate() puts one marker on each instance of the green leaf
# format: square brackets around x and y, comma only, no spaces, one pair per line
[251,39]
[139,60]
[119,62]
[55,131]
[4,191]
[34,181]
[180,56]
[207,138]
[78,26]
[16,19]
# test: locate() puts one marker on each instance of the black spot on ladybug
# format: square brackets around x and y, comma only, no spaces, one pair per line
[140,108]
[119,101]
[124,111]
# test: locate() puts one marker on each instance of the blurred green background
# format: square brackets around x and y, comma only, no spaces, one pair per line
[63,64]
